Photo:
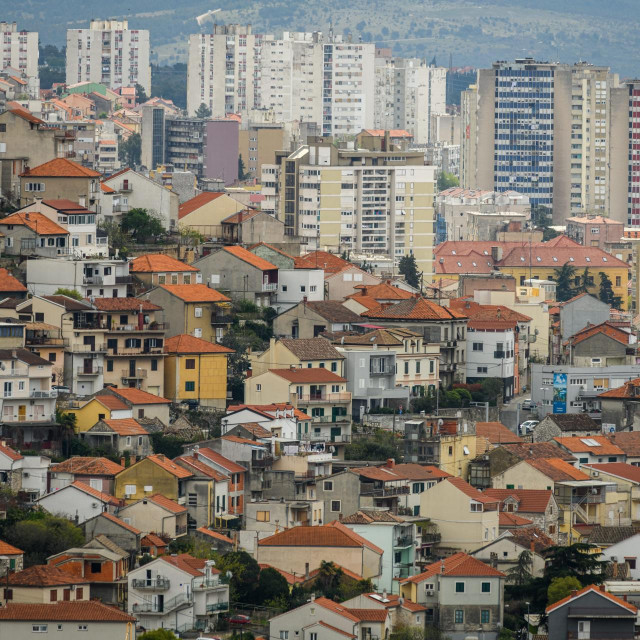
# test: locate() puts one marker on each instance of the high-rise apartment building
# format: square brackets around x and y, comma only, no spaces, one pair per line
[546,130]
[371,197]
[19,50]
[110,53]
[630,96]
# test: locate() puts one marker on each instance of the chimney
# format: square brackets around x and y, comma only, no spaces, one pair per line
[313,595]
[122,462]
[384,594]
[390,463]
[532,547]
[574,593]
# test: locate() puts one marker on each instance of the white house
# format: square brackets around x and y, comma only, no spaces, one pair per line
[78,502]
[27,473]
[625,551]
[296,284]
[177,592]
[283,420]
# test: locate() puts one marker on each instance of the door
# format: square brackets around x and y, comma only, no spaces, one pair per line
[148,577]
[112,343]
[584,629]
[22,412]
[132,373]
[336,432]
[87,365]
[90,341]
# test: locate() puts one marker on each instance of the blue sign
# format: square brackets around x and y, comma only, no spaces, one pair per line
[559,393]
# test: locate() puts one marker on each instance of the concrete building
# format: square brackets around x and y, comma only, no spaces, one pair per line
[257,145]
[19,51]
[109,53]
[595,231]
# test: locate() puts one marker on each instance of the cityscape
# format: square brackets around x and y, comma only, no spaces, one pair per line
[315,335]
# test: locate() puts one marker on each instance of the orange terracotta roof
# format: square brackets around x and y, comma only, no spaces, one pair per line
[496,433]
[201,468]
[382,291]
[106,188]
[220,460]
[472,262]
[369,615]
[329,262]
[7,549]
[334,606]
[126,427]
[393,133]
[595,589]
[618,470]
[166,503]
[606,329]
[138,396]
[577,256]
[214,534]
[169,465]
[536,450]
[25,115]
[314,374]
[250,258]
[42,575]
[528,500]
[185,343]
[241,216]
[414,309]
[470,491]
[628,441]
[37,222]
[124,304]
[487,312]
[158,263]
[152,540]
[9,283]
[507,519]
[345,571]
[112,403]
[188,564]
[557,470]
[459,564]
[85,465]
[120,522]
[99,495]
[326,626]
[60,168]
[239,440]
[366,301]
[10,453]
[603,445]
[195,203]
[270,246]
[79,611]
[195,293]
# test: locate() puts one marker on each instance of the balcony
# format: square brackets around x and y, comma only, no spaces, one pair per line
[84,348]
[12,372]
[326,398]
[220,318]
[124,279]
[386,493]
[37,394]
[138,374]
[89,371]
[430,538]
[93,280]
[404,541]
[332,419]
[182,600]
[152,326]
[159,584]
[181,529]
[210,583]
[261,463]
[215,607]
[269,286]
[34,341]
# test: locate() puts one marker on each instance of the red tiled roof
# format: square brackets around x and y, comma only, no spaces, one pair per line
[496,433]
[472,262]
[382,291]
[152,540]
[577,256]
[329,262]
[120,522]
[126,427]
[64,205]
[185,343]
[215,534]
[618,470]
[220,460]
[575,444]
[10,453]
[366,301]
[369,615]
[106,188]
[268,409]
[334,606]
[470,491]
[628,441]
[345,571]
[239,440]
[414,309]
[7,549]
[60,168]
[37,222]
[606,328]
[158,263]
[42,575]
[526,536]
[250,258]
[558,470]
[308,374]
[195,293]
[625,391]
[79,611]
[124,304]
[166,503]
[189,564]
[535,450]
[487,312]
[512,520]
[408,471]
[169,465]
[99,495]
[138,396]
[202,468]
[241,216]
[195,203]
[85,465]
[595,589]
[459,564]
[112,403]
[9,283]
[326,626]
[26,115]
[529,500]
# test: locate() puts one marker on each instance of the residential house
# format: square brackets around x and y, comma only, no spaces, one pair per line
[98,473]
[537,473]
[453,501]
[602,345]
[504,552]
[629,442]
[78,502]
[207,492]
[124,435]
[621,406]
[462,596]
[495,434]
[402,612]
[591,612]
[153,269]
[60,179]
[605,537]
[384,293]
[218,541]
[45,340]
[395,536]
[591,449]
[300,549]
[309,319]
[153,545]
[241,274]
[315,391]
[558,425]
[324,618]
[274,255]
[155,474]
[626,477]
[156,514]
[205,212]
[196,371]
[12,558]
[438,324]
[344,282]
[28,233]
[294,285]
[29,403]
[97,408]
[281,419]
[250,226]
[141,403]
[24,473]
[43,583]
[267,516]
[11,286]
[340,492]
[194,309]
[624,551]
[138,191]
[125,535]
[537,505]
[178,593]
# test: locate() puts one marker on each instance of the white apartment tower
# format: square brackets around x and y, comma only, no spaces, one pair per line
[224,69]
[110,53]
[19,51]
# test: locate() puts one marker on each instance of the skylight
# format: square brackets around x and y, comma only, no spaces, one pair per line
[590,442]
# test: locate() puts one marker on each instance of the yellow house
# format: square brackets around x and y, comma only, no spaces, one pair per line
[151,475]
[206,211]
[98,408]
[196,370]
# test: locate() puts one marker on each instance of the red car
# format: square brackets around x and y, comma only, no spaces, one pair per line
[239,619]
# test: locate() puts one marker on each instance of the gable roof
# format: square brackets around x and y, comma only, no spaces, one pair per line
[152,540]
[250,258]
[625,391]
[79,611]
[600,535]
[308,374]
[382,337]
[86,465]
[200,468]
[628,441]
[119,521]
[195,293]
[37,222]
[110,402]
[506,519]
[12,454]
[42,575]
[242,216]
[470,491]
[124,426]
[414,309]
[188,564]
[166,503]
[184,343]
[332,311]
[595,589]
[312,348]
[329,262]
[169,465]
[573,421]
[9,282]
[214,534]
[605,328]
[270,246]
[496,433]
[535,450]
[133,305]
[158,263]
[557,470]
[593,444]
[459,564]
[383,291]
[69,304]
[7,549]
[60,168]
[618,469]
[268,410]
[138,396]
[404,471]
[95,493]
[195,203]
[364,516]
[525,537]
[529,500]
[220,460]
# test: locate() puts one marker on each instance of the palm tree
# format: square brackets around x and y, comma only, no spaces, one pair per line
[564,277]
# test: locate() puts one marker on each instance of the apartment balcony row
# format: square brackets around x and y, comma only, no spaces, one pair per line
[135,351]
[209,583]
[45,418]
[321,437]
[261,463]
[330,419]
[216,607]
[150,326]
[74,347]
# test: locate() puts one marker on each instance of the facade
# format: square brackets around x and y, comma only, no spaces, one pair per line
[78,502]
[595,231]
[33,234]
[20,52]
[308,319]
[119,56]
[556,425]
[122,436]
[154,269]
[98,473]
[157,514]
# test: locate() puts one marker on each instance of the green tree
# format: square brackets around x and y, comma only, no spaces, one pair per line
[70,293]
[520,573]
[189,236]
[561,588]
[564,277]
[118,239]
[380,446]
[578,559]
[237,364]
[272,586]
[241,169]
[245,573]
[141,94]
[130,151]
[141,224]
[43,535]
[158,634]
[329,579]
[607,294]
[408,267]
[584,285]
[170,82]
[408,632]
[203,111]
[67,422]
[492,388]
[446,181]
[169,446]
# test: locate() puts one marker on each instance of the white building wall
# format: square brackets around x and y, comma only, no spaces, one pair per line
[72,503]
[490,341]
[296,284]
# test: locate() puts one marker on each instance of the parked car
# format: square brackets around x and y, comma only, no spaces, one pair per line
[239,619]
[60,388]
[527,426]
[527,405]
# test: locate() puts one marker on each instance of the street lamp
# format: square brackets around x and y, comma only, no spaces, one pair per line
[528,615]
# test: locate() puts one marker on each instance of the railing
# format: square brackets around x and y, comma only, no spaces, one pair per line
[49,417]
[261,463]
[182,599]
[124,279]
[84,348]
[157,584]
[217,318]
[86,371]
[87,326]
[137,374]
[325,398]
[36,340]
[404,541]
[12,372]
[51,393]
[327,419]
[93,280]
[210,583]
[181,529]
[391,491]
[217,606]
[269,286]
[430,538]
[157,326]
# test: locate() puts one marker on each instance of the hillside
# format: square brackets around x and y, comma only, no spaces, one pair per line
[475,33]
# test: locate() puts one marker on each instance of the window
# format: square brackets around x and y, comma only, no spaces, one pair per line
[484,616]
[263,516]
[478,346]
[198,312]
[52,356]
[8,594]
[190,363]
[328,485]
[459,616]
[336,506]
[476,506]
[418,487]
[284,635]
[189,385]
[154,364]
[313,636]
[618,281]
[197,333]
[486,587]
[334,366]
[53,595]
[128,441]
[417,366]
[406,367]
[482,369]
[109,365]
[631,562]
[130,489]
[459,587]
[39,628]
[79,593]
[82,627]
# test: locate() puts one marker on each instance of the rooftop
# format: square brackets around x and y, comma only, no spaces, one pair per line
[158,263]
[557,470]
[84,465]
[169,465]
[91,611]
[195,293]
[133,305]
[138,396]
[459,564]
[595,589]
[37,222]
[60,168]
[10,284]
[414,309]
[42,575]
[195,203]
[617,469]
[529,500]
[496,433]
[250,258]
[329,262]
[598,445]
[312,349]
[302,375]
[220,460]
[333,311]
[185,343]
[125,426]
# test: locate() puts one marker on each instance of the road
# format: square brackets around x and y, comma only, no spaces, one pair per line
[509,415]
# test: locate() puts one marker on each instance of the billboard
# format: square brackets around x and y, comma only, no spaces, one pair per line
[559,393]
